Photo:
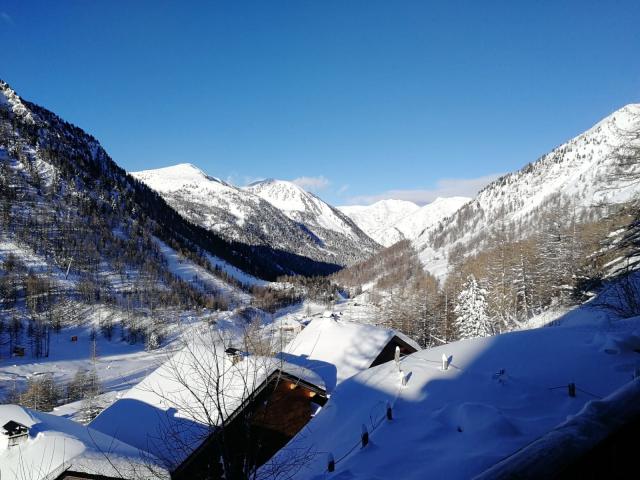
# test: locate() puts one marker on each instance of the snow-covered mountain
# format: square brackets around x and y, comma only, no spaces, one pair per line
[377,219]
[307,209]
[389,221]
[57,178]
[219,206]
[284,217]
[572,181]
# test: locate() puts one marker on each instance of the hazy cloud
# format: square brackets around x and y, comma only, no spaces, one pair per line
[312,183]
[6,18]
[343,189]
[447,187]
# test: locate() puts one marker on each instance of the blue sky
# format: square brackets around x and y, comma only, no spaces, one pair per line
[358,100]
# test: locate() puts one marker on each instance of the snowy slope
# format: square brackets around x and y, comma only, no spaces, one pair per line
[376,219]
[389,221]
[245,216]
[459,422]
[304,207]
[571,178]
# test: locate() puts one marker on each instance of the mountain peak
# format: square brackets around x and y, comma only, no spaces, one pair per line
[282,194]
[446,200]
[176,177]
[275,183]
[388,221]
[394,202]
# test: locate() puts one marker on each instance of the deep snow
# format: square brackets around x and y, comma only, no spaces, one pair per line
[498,394]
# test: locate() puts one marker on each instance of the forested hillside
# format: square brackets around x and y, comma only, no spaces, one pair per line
[578,182]
[77,230]
[518,252]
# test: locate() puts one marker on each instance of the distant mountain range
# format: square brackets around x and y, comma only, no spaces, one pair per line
[57,178]
[274,227]
[572,179]
[389,221]
[271,213]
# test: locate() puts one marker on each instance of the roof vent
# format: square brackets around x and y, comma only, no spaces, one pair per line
[235,354]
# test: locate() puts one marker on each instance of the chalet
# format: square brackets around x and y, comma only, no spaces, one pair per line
[208,402]
[71,450]
[336,349]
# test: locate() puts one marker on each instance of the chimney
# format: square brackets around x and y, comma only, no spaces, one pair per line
[14,433]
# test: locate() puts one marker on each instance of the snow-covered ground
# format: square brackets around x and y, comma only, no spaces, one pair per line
[200,277]
[120,364]
[497,395]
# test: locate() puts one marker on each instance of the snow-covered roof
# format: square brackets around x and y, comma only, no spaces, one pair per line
[458,422]
[56,444]
[336,349]
[180,404]
[571,441]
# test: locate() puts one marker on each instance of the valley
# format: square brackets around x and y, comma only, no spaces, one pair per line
[107,276]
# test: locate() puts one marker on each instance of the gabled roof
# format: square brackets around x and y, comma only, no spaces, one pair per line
[178,406]
[336,349]
[57,444]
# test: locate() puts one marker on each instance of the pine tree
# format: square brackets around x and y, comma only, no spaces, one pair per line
[471,311]
[92,389]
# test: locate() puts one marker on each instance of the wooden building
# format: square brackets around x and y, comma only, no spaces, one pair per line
[277,410]
[211,402]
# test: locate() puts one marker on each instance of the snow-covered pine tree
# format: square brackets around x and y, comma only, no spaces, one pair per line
[472,319]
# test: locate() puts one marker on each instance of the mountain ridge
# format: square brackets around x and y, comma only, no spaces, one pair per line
[389,221]
[573,179]
[40,147]
[257,215]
